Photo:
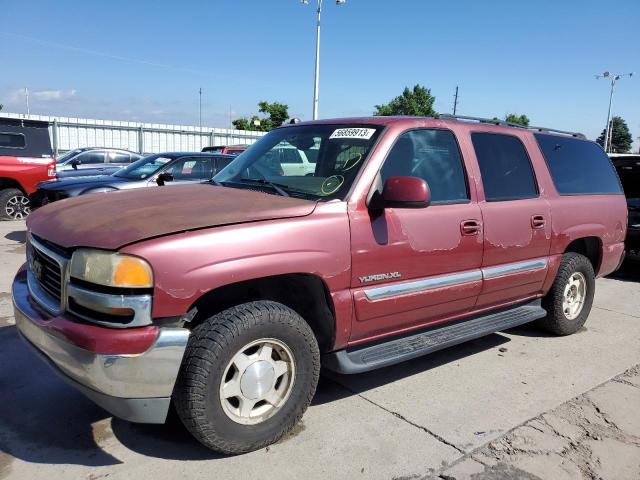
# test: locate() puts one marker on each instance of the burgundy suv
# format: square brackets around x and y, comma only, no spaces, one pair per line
[412,234]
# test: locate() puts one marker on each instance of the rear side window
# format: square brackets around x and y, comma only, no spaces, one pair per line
[90,158]
[11,140]
[578,167]
[432,155]
[505,167]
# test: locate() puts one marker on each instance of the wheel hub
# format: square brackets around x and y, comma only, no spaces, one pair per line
[257,379]
[18,207]
[574,295]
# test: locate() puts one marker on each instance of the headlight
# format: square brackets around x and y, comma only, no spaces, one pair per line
[111,269]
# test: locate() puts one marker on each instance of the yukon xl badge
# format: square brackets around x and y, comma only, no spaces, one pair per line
[380,276]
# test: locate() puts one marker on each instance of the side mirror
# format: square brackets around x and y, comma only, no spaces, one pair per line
[403,192]
[75,163]
[164,177]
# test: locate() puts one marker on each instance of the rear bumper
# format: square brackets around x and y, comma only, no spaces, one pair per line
[133,386]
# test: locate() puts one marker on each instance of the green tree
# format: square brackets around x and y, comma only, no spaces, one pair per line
[620,137]
[278,113]
[418,101]
[519,119]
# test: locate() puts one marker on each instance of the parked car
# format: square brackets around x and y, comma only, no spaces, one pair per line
[226,149]
[292,161]
[25,160]
[83,162]
[628,167]
[151,171]
[412,235]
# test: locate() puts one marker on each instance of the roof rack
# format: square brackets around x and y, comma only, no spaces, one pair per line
[503,123]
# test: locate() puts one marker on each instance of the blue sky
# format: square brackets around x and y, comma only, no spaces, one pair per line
[145,60]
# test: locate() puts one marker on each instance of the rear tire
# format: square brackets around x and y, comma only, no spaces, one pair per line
[569,301]
[248,375]
[14,205]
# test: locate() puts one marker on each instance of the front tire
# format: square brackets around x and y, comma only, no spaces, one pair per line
[570,298]
[248,375]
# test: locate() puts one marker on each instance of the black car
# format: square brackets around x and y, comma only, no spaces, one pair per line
[155,170]
[628,168]
[83,162]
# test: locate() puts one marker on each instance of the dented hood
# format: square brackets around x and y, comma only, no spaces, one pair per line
[112,220]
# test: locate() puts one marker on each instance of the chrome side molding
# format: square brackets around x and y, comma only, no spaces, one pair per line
[448,280]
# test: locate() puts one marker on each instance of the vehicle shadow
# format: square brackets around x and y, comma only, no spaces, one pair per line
[44,420]
[360,383]
[17,236]
[629,272]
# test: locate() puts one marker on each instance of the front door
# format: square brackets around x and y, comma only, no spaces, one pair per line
[414,267]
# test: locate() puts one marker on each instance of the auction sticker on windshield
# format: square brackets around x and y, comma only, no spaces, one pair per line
[362,133]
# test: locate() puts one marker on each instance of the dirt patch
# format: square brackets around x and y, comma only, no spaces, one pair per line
[588,437]
[17,250]
[5,464]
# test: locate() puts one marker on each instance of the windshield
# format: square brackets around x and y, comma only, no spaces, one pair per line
[311,161]
[66,156]
[143,168]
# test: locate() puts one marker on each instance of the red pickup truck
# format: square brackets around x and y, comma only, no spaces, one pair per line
[412,234]
[25,160]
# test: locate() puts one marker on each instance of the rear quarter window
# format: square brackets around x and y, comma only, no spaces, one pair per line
[578,167]
[12,140]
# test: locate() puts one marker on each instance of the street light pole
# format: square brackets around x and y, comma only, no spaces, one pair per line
[200,93]
[609,128]
[317,71]
[316,82]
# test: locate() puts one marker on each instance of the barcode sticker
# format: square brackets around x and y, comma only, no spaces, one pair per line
[362,133]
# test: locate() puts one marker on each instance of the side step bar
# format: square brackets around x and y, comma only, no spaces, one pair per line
[369,357]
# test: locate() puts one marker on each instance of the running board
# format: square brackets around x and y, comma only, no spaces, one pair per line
[370,357]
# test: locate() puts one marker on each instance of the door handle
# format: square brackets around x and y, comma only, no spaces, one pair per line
[470,227]
[537,221]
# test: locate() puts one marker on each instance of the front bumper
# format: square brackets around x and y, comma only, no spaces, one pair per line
[99,361]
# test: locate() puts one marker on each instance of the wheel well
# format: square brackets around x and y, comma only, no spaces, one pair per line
[306,294]
[590,247]
[10,183]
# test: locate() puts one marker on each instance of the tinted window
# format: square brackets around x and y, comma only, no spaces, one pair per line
[578,166]
[505,167]
[12,140]
[119,157]
[432,155]
[192,169]
[90,158]
[223,162]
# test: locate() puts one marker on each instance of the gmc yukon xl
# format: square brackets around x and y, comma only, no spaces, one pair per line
[411,235]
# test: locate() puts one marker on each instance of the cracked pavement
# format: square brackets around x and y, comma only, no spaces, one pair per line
[518,404]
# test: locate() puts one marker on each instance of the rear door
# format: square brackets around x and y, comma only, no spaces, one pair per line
[516,217]
[190,170]
[413,267]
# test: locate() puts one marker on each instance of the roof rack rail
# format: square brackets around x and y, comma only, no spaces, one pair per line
[503,123]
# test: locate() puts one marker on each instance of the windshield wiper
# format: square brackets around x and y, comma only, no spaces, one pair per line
[278,187]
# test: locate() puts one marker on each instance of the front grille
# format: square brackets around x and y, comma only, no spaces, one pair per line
[47,272]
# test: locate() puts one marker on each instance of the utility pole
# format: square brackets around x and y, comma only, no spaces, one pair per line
[609,126]
[455,101]
[230,117]
[26,96]
[200,92]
